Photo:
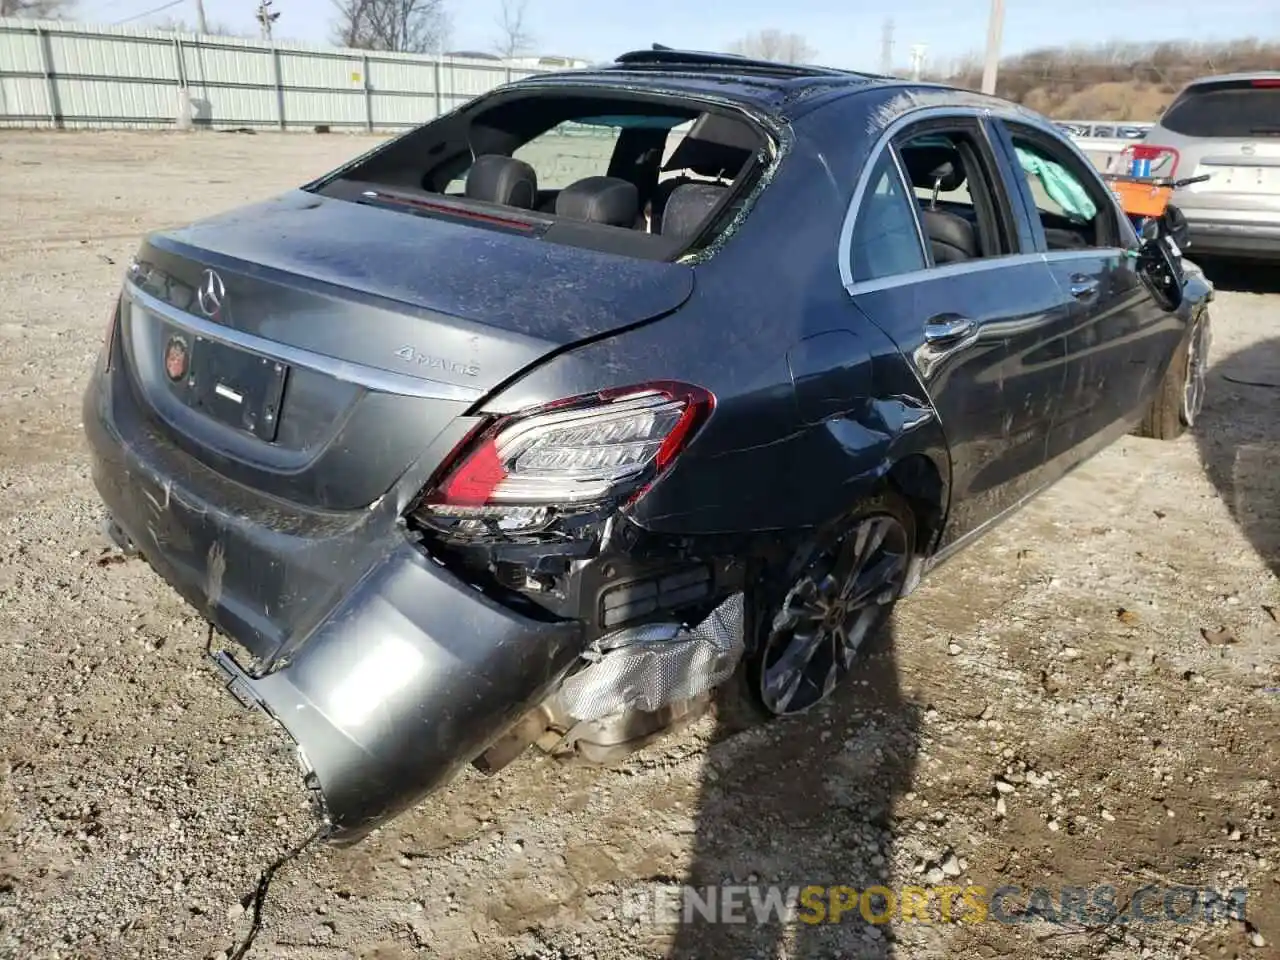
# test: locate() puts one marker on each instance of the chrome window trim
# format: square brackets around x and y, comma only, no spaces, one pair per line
[930,274]
[371,378]
[885,141]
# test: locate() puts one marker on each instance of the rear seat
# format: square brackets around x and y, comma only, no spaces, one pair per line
[494,178]
[608,200]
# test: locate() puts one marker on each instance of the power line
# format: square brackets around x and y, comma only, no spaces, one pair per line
[147,13]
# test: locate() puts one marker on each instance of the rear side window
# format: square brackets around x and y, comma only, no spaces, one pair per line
[885,241]
[1226,110]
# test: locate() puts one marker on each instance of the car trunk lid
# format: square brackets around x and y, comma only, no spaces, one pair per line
[311,348]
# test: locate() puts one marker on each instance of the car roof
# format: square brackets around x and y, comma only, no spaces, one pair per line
[780,89]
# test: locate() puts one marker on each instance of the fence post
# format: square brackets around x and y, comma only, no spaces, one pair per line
[368,95]
[275,69]
[184,119]
[51,85]
[177,55]
[439,86]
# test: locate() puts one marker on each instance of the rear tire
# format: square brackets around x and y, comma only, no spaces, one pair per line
[819,616]
[1179,398]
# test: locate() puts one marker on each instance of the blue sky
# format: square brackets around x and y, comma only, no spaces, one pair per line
[846,33]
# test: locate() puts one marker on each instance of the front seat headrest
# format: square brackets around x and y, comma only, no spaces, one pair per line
[504,180]
[688,207]
[600,200]
[926,166]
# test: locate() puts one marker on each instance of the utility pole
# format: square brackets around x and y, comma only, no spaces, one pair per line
[917,59]
[266,18]
[995,27]
[886,47]
[201,26]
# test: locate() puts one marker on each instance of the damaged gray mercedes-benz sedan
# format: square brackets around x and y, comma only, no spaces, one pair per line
[461,453]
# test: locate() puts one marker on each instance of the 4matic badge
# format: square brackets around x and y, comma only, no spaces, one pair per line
[410,355]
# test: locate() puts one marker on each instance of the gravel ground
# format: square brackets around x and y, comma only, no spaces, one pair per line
[1087,696]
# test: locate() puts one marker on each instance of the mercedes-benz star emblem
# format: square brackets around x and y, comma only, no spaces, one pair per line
[212,293]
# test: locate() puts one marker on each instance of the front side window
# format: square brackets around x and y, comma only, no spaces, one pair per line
[885,241]
[1073,207]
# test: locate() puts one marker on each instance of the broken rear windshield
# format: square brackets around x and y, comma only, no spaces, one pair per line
[581,167]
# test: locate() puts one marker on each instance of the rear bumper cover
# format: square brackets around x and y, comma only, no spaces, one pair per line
[389,683]
[1227,238]
[407,681]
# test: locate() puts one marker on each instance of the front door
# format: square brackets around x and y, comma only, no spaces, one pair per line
[1120,339]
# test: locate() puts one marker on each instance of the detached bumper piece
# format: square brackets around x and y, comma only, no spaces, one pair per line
[403,685]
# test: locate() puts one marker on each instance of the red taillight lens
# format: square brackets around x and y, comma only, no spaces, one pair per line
[572,454]
[1266,82]
[1163,160]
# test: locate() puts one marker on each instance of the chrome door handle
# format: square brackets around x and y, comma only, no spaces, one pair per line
[1082,287]
[947,327]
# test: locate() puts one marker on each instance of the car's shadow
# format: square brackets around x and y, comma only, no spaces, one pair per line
[1240,277]
[1238,436]
[805,801]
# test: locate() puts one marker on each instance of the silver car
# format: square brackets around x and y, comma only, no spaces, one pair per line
[1228,127]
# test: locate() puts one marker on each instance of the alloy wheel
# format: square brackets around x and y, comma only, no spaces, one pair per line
[841,599]
[1193,389]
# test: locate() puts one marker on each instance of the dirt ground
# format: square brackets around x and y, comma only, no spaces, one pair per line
[1111,657]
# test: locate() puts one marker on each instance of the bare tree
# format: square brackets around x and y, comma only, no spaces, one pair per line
[774,45]
[36,9]
[405,26]
[514,37]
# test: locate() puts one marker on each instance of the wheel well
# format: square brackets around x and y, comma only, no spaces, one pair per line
[916,478]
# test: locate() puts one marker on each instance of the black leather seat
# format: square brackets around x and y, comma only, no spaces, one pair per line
[505,180]
[715,146]
[609,200]
[951,237]
[688,207]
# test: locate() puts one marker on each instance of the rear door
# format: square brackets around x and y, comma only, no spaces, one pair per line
[1120,340]
[985,331]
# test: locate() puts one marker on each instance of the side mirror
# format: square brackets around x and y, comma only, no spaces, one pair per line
[1160,268]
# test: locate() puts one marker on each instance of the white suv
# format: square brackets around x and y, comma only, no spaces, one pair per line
[1228,127]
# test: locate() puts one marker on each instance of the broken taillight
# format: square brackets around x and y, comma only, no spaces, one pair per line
[568,456]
